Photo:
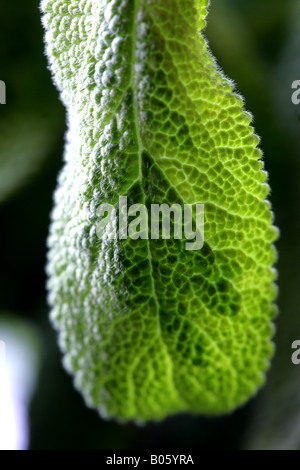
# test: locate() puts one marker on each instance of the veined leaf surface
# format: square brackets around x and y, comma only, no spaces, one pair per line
[148,328]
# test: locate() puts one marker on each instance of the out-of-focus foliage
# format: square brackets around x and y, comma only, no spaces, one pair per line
[255,43]
[31,120]
[25,145]
[276,423]
[285,72]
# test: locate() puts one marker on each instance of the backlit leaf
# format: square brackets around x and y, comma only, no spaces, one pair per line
[148,328]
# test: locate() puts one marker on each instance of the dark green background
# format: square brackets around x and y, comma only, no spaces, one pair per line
[257,44]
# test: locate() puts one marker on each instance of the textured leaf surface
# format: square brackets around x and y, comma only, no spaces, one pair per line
[148,328]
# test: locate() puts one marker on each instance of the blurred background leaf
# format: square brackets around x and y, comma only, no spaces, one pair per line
[276,421]
[25,146]
[32,121]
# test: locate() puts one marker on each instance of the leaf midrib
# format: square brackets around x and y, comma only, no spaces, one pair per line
[141,147]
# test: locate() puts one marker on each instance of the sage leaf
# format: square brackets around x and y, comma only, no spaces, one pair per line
[147,327]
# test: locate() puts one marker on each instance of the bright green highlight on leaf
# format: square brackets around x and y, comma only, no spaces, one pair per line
[148,328]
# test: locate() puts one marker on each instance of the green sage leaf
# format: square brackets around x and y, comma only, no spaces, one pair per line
[149,328]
